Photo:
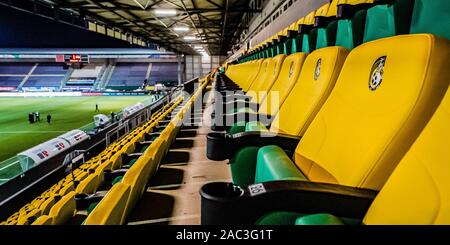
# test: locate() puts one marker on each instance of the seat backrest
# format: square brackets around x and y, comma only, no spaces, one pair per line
[43,220]
[260,75]
[289,73]
[137,178]
[327,10]
[354,2]
[111,209]
[272,72]
[47,205]
[431,17]
[241,73]
[64,209]
[251,71]
[67,188]
[317,78]
[386,93]
[418,191]
[89,184]
[386,20]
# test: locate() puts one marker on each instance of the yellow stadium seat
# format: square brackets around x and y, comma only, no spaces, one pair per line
[296,113]
[67,188]
[375,74]
[28,218]
[43,220]
[47,205]
[418,190]
[64,209]
[137,178]
[89,184]
[111,210]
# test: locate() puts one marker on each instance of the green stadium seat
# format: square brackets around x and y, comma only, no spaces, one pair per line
[389,19]
[431,17]
[350,26]
[306,38]
[326,24]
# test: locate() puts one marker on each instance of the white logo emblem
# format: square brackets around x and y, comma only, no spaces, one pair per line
[376,75]
[317,72]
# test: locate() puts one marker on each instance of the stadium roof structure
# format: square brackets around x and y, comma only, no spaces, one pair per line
[177,25]
[92,52]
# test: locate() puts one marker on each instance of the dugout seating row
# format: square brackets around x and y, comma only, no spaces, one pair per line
[86,185]
[336,136]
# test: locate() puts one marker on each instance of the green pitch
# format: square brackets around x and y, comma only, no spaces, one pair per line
[17,134]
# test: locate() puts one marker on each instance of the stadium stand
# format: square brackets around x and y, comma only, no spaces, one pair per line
[50,69]
[128,76]
[43,82]
[163,72]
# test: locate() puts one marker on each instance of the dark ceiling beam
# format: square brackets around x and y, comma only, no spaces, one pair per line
[207,37]
[213,3]
[190,18]
[218,23]
[137,8]
[224,26]
[177,21]
[129,21]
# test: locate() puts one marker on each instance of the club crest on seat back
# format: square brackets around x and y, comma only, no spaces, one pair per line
[376,74]
[291,69]
[317,71]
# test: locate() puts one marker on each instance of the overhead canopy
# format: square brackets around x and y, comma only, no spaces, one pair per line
[214,24]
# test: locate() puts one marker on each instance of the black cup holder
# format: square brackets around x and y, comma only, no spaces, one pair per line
[217,146]
[221,191]
[82,201]
[221,203]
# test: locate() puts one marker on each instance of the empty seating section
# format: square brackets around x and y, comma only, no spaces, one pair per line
[128,76]
[50,69]
[12,74]
[43,81]
[366,113]
[9,82]
[163,72]
[121,171]
[40,75]
[15,68]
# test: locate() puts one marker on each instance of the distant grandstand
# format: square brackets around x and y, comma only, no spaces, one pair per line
[99,76]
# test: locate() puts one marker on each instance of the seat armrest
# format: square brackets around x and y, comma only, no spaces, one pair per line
[110,175]
[225,203]
[221,146]
[83,200]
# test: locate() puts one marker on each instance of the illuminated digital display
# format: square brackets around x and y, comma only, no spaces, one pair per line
[72,58]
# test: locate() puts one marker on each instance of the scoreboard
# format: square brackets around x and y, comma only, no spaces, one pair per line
[72,58]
